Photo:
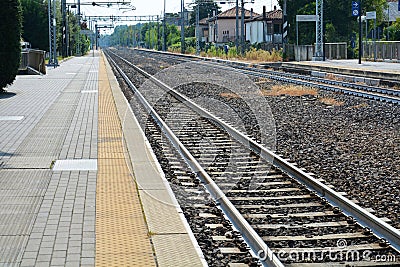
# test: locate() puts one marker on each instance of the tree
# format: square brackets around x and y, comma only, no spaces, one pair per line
[35,23]
[394,31]
[339,23]
[206,9]
[10,36]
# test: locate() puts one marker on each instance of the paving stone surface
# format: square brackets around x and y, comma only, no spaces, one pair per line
[47,216]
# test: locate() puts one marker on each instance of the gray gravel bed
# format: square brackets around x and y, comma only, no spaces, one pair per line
[354,147]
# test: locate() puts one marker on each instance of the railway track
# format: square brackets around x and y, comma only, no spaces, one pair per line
[285,215]
[348,88]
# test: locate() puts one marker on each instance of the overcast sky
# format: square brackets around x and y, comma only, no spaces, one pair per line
[155,7]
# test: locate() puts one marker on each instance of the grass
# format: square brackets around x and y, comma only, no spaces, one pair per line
[290,90]
[298,90]
[259,55]
[253,55]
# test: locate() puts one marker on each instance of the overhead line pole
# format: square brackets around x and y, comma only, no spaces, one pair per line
[237,26]
[360,48]
[242,29]
[182,27]
[164,30]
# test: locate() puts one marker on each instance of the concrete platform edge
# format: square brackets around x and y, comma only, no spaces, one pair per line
[125,113]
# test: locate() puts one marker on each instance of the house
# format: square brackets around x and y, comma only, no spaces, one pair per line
[222,27]
[203,28]
[265,28]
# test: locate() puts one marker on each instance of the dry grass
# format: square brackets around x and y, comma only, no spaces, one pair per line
[331,101]
[229,95]
[259,55]
[291,90]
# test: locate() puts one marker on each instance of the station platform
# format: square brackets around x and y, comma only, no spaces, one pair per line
[385,71]
[79,184]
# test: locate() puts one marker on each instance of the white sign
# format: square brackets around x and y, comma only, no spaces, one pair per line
[306,17]
[371,15]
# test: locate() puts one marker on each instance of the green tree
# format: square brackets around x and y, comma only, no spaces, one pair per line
[394,31]
[10,36]
[35,23]
[338,20]
[206,9]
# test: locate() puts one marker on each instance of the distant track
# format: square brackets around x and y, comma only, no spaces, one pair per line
[348,88]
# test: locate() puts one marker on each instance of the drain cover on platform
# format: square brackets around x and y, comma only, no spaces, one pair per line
[76,165]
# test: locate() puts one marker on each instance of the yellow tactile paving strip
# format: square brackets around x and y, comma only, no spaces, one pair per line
[121,231]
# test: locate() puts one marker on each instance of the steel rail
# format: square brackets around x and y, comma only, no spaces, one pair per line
[310,81]
[363,217]
[255,242]
[328,81]
[367,95]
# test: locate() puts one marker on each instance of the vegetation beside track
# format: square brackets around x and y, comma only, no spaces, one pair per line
[10,47]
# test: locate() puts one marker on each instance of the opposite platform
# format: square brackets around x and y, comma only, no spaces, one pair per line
[67,193]
[369,69]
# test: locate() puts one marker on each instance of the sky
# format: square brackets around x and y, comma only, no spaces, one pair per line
[156,7]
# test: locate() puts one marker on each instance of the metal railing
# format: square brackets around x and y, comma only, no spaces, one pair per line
[382,50]
[307,52]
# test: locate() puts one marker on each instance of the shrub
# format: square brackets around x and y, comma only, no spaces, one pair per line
[10,36]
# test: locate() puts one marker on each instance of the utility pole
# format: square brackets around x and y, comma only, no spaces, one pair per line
[182,27]
[158,34]
[237,26]
[319,44]
[96,36]
[164,48]
[64,27]
[360,48]
[149,39]
[52,33]
[242,37]
[78,46]
[198,30]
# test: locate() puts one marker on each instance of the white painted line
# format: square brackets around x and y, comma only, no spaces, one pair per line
[89,91]
[11,118]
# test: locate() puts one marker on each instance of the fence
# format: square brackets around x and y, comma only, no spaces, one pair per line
[32,60]
[385,50]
